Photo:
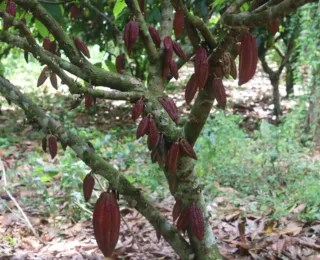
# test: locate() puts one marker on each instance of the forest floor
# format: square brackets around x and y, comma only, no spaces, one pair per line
[240,233]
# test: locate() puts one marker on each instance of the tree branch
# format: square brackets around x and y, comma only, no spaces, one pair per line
[99,166]
[246,19]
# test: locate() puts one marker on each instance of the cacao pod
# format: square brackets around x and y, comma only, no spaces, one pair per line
[87,186]
[11,8]
[153,133]
[76,103]
[53,47]
[191,89]
[82,47]
[171,108]
[196,221]
[248,58]
[88,100]
[74,11]
[219,92]
[53,80]
[183,220]
[174,69]
[167,55]
[106,222]
[45,73]
[201,67]
[177,209]
[44,144]
[274,26]
[131,33]
[143,127]
[178,50]
[173,158]
[155,36]
[137,109]
[46,44]
[178,22]
[120,62]
[187,149]
[53,146]
[165,70]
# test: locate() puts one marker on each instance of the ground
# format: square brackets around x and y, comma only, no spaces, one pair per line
[240,233]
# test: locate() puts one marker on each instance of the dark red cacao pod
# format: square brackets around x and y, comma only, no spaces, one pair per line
[46,44]
[74,11]
[45,73]
[137,109]
[53,146]
[106,222]
[178,50]
[191,89]
[174,69]
[183,220]
[274,25]
[53,80]
[201,67]
[177,209]
[165,70]
[153,133]
[87,186]
[53,46]
[173,158]
[171,108]
[187,149]
[196,221]
[248,58]
[82,47]
[178,22]
[120,63]
[88,100]
[44,144]
[11,8]
[143,127]
[219,92]
[131,33]
[155,36]
[167,54]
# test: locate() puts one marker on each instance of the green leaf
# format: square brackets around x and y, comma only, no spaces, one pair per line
[111,66]
[55,10]
[45,178]
[51,171]
[42,29]
[119,6]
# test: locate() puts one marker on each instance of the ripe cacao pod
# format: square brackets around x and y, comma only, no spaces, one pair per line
[187,149]
[155,36]
[167,55]
[174,69]
[88,100]
[53,146]
[274,25]
[46,44]
[183,220]
[191,89]
[171,108]
[173,158]
[87,186]
[74,11]
[131,33]
[178,50]
[82,47]
[120,63]
[106,222]
[196,221]
[53,47]
[143,127]
[177,209]
[178,22]
[137,109]
[153,133]
[201,67]
[45,73]
[248,58]
[53,80]
[12,10]
[219,92]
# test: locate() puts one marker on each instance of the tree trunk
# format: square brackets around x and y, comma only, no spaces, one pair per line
[289,79]
[276,96]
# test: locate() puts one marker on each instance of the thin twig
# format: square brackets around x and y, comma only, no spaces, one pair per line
[15,202]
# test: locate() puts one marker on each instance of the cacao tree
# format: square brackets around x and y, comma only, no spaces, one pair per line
[186,31]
